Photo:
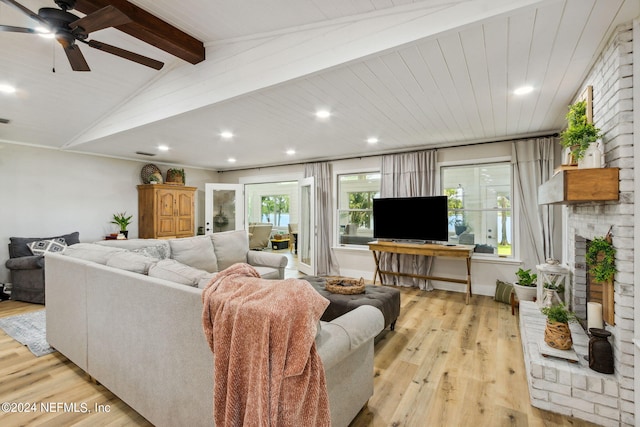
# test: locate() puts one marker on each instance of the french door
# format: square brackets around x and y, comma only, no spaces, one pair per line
[224,207]
[307,227]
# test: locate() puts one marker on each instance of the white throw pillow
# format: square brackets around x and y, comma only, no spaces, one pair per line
[196,252]
[40,247]
[91,252]
[131,261]
[174,271]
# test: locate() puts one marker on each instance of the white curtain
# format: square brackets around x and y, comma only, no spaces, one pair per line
[326,262]
[408,175]
[532,161]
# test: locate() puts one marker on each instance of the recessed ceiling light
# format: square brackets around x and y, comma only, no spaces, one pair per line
[372,140]
[231,160]
[226,134]
[291,152]
[163,147]
[523,90]
[323,114]
[4,88]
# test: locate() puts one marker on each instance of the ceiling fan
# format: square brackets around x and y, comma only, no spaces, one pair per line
[69,29]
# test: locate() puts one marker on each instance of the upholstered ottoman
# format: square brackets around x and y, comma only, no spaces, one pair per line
[384,298]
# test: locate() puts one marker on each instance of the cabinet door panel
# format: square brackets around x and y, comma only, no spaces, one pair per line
[166,203]
[166,227]
[166,222]
[185,226]
[185,203]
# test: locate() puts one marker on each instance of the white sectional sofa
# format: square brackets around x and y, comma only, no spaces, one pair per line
[142,337]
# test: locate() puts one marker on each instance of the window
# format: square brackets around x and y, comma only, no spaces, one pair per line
[275,209]
[355,207]
[480,206]
[272,202]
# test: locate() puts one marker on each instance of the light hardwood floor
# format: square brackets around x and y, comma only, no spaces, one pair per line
[446,364]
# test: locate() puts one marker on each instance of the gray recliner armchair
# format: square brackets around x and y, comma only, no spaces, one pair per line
[259,235]
[27,270]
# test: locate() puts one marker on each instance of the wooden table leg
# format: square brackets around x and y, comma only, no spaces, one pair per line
[377,271]
[469,292]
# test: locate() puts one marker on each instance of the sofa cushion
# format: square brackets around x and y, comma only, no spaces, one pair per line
[91,252]
[175,271]
[155,248]
[131,261]
[18,245]
[230,247]
[40,247]
[206,279]
[196,252]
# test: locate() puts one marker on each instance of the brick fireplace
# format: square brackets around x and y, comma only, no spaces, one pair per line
[575,389]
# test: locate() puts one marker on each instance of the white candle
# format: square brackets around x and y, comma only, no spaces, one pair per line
[594,315]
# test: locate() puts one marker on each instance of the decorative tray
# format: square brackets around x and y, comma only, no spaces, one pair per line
[345,286]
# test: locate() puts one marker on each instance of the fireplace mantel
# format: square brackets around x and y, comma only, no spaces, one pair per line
[580,186]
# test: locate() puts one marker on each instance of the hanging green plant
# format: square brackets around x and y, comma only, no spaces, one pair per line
[601,259]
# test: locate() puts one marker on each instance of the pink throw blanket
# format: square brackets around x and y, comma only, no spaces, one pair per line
[267,371]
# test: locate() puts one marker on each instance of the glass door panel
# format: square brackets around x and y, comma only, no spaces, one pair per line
[307,228]
[224,207]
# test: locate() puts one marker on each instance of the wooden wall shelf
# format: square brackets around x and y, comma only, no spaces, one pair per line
[580,186]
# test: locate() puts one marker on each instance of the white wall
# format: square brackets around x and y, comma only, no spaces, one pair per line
[49,192]
[358,262]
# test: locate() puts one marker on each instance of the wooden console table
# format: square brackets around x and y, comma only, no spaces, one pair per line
[457,251]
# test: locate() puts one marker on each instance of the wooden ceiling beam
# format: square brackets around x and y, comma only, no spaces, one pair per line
[151,29]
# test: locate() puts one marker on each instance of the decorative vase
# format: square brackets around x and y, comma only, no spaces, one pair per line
[549,295]
[125,233]
[600,351]
[558,335]
[573,159]
[592,157]
[525,293]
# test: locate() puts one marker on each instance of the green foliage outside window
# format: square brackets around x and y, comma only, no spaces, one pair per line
[361,200]
[504,203]
[274,205]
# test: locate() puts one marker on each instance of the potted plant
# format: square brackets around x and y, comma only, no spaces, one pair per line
[579,133]
[525,287]
[176,175]
[122,220]
[557,333]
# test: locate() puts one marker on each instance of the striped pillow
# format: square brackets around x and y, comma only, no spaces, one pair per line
[503,292]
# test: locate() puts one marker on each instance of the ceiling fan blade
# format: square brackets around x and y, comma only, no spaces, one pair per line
[11,29]
[76,58]
[108,16]
[143,60]
[26,11]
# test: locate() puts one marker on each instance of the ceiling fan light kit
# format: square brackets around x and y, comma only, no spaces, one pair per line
[69,29]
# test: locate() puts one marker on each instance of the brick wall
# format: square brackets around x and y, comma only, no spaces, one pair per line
[611,78]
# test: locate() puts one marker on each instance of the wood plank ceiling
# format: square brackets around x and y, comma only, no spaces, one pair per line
[415,74]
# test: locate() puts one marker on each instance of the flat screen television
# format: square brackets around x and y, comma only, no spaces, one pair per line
[420,219]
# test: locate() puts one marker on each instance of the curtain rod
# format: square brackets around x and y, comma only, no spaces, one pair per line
[550,135]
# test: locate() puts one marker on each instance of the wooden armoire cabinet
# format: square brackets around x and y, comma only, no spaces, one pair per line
[165,211]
